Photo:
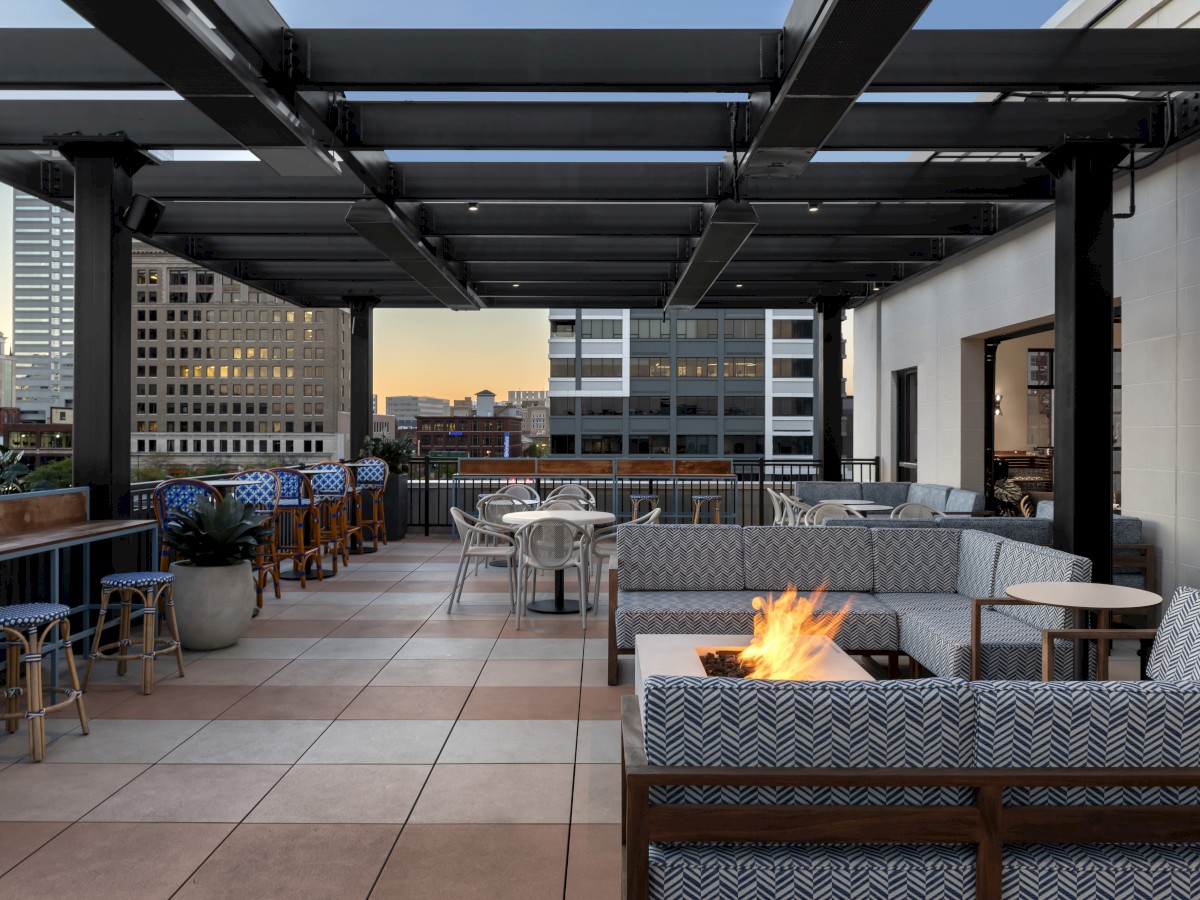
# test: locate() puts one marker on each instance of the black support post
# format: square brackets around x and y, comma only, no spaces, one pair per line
[1083,350]
[829,387]
[361,372]
[104,167]
[990,347]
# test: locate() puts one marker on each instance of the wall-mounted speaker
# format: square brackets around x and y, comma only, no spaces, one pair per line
[143,215]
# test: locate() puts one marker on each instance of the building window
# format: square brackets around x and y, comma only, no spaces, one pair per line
[177,297]
[642,444]
[696,406]
[649,329]
[177,276]
[562,406]
[695,444]
[602,444]
[562,368]
[792,329]
[743,444]
[744,329]
[602,368]
[744,367]
[601,329]
[793,368]
[601,406]
[562,443]
[702,329]
[650,406]
[743,406]
[696,367]
[792,406]
[650,367]
[794,445]
[562,329]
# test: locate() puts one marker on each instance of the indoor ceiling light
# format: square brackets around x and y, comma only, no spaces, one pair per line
[739,284]
[875,286]
[472,207]
[516,284]
[814,205]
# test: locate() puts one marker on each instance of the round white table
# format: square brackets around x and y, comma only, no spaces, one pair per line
[1082,597]
[870,507]
[586,518]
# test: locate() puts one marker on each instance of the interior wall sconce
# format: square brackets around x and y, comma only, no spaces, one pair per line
[996,405]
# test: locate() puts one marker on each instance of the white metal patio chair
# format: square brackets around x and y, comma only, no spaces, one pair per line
[915,511]
[521,492]
[602,545]
[824,511]
[552,545]
[482,542]
[577,491]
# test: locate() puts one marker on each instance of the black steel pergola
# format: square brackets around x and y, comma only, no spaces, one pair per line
[327,219]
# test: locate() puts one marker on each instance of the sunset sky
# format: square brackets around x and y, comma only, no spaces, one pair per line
[449,354]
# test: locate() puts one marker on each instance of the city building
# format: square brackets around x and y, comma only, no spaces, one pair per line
[469,436]
[463,407]
[406,408]
[523,397]
[382,426]
[703,383]
[43,307]
[221,370]
[38,442]
[8,392]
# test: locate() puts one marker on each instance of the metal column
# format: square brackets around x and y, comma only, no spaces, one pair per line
[1083,350]
[361,372]
[103,314]
[829,387]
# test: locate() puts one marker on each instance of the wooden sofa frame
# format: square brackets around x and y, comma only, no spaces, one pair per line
[987,824]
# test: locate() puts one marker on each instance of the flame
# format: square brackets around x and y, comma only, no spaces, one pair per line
[788,635]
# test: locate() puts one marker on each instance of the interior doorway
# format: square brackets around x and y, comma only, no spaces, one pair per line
[906,425]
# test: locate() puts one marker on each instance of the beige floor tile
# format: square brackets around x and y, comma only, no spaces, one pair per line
[59,792]
[398,741]
[189,793]
[343,793]
[327,672]
[530,673]
[512,793]
[230,671]
[597,795]
[511,741]
[429,671]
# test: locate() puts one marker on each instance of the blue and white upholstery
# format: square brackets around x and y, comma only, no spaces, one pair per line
[328,480]
[1101,871]
[903,602]
[1019,562]
[1175,655]
[259,489]
[137,580]
[680,557]
[940,640]
[909,562]
[181,495]
[977,554]
[806,871]
[777,556]
[292,489]
[869,625]
[32,615]
[372,473]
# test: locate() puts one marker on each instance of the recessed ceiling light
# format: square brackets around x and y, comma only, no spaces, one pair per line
[814,206]
[472,207]
[875,286]
[739,284]
[516,284]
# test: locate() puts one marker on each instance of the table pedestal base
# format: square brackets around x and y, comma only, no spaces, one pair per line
[560,605]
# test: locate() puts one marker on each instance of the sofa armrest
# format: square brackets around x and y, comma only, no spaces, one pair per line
[612,624]
[1050,635]
[1138,556]
[977,605]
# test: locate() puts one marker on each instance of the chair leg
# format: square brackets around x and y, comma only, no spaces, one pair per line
[695,512]
[95,654]
[74,676]
[12,683]
[173,626]
[35,707]
[123,641]
[149,632]
[716,512]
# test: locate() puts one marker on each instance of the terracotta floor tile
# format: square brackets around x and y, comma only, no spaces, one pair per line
[471,628]
[428,702]
[336,585]
[522,703]
[429,671]
[328,671]
[179,700]
[119,859]
[294,861]
[594,863]
[369,794]
[537,793]
[231,671]
[540,626]
[102,697]
[531,672]
[272,701]
[285,628]
[602,702]
[316,610]
[19,839]
[367,628]
[476,862]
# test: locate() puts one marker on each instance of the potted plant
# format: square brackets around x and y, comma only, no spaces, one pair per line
[398,455]
[214,547]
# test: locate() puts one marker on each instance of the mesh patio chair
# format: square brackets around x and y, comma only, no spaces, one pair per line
[602,545]
[823,511]
[574,490]
[370,482]
[483,541]
[492,508]
[175,496]
[298,523]
[915,511]
[552,545]
[261,492]
[521,492]
[575,503]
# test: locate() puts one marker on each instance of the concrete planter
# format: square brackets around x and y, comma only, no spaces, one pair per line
[395,506]
[213,604]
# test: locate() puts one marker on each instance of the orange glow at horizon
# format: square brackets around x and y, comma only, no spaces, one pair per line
[441,353]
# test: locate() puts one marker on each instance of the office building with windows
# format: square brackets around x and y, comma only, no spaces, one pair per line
[43,307]
[406,409]
[699,383]
[221,370]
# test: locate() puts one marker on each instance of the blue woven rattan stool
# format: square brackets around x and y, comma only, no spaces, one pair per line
[699,501]
[26,627]
[636,501]
[153,591]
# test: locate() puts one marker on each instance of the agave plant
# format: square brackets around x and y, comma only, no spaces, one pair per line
[216,534]
[1008,496]
[12,470]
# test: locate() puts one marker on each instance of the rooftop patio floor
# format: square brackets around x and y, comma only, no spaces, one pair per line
[359,741]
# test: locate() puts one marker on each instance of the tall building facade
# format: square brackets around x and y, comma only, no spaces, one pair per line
[43,307]
[223,371]
[703,383]
[406,409]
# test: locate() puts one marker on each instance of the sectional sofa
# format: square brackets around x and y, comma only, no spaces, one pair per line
[891,493]
[910,590]
[1015,790]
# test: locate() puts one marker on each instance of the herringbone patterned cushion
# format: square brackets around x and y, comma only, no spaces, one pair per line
[805,871]
[922,601]
[1019,562]
[1175,655]
[940,640]
[869,625]
[777,556]
[679,557]
[1101,871]
[909,561]
[1090,723]
[849,724]
[977,554]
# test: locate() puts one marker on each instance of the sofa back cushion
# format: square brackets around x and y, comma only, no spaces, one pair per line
[691,721]
[1020,562]
[1126,529]
[889,493]
[815,491]
[910,561]
[1175,655]
[779,555]
[1031,531]
[679,557]
[960,501]
[1116,724]
[934,495]
[977,552]
[879,523]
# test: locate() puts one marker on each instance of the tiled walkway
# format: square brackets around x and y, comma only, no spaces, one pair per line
[359,741]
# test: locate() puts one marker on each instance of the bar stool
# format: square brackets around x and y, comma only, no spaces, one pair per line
[20,625]
[153,591]
[636,501]
[699,501]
